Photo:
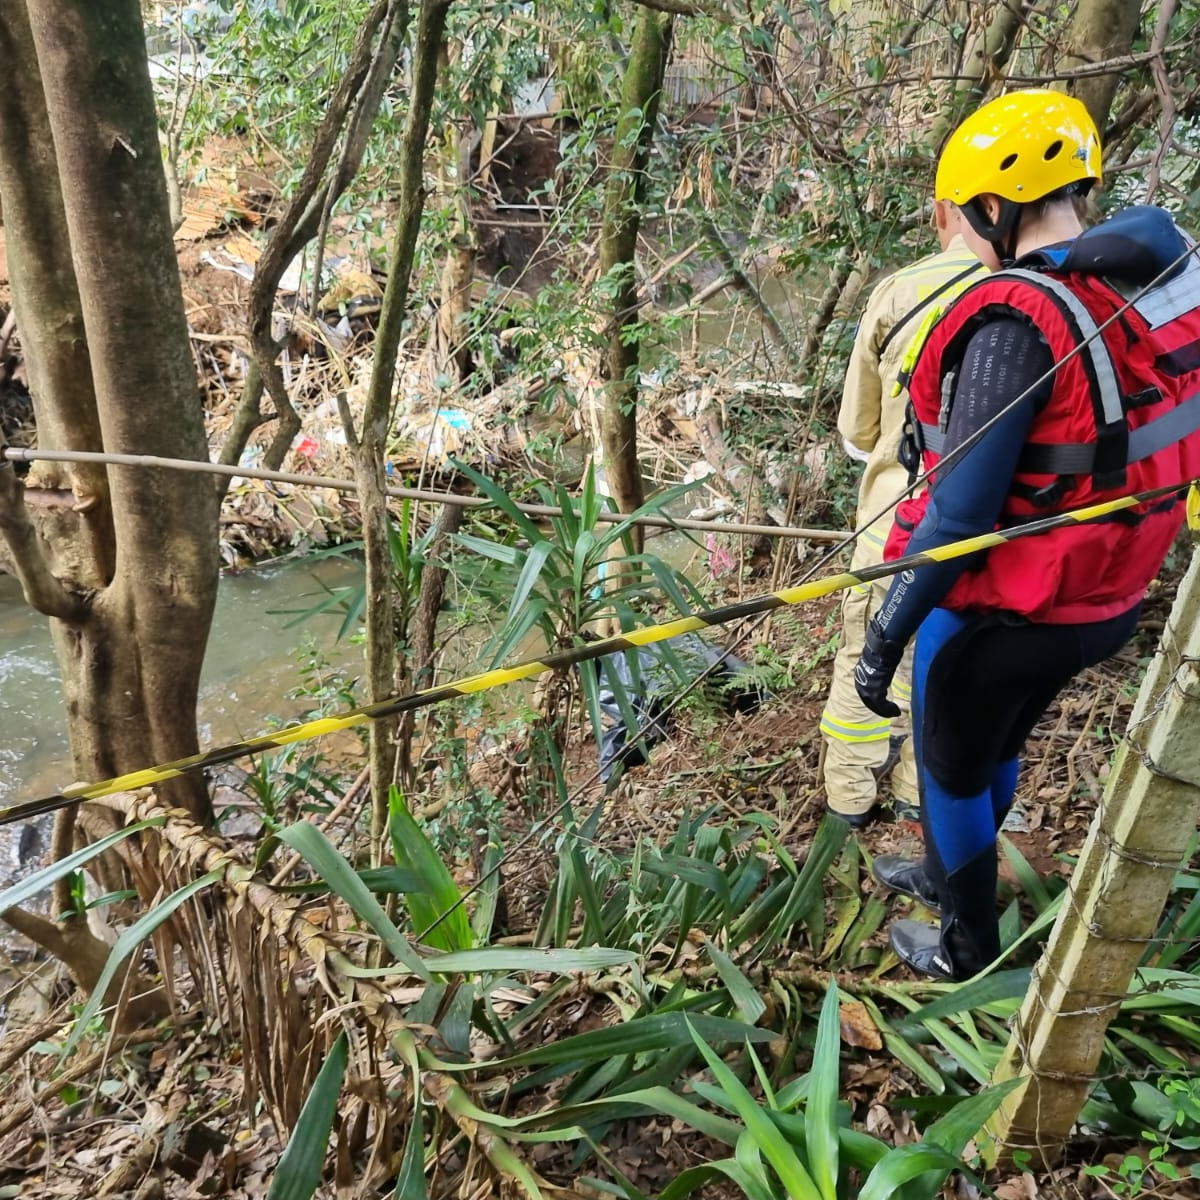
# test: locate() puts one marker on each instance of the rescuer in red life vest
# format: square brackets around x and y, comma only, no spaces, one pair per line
[1002,634]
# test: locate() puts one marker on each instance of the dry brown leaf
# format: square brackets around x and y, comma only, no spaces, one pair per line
[857,1027]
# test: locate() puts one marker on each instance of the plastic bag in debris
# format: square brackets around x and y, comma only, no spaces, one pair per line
[650,678]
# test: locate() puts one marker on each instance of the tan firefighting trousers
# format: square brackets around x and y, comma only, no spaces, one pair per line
[856,739]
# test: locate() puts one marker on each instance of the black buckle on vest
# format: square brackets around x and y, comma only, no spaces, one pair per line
[1142,399]
[912,443]
[1049,496]
[1112,456]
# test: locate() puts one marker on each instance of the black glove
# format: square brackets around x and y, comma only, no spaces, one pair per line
[874,671]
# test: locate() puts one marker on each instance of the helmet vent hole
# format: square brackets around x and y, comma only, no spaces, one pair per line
[1052,150]
[1008,162]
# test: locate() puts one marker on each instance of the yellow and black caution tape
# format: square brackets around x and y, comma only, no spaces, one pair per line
[576,654]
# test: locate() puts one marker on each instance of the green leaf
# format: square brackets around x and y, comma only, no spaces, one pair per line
[531,572]
[953,1131]
[756,1183]
[510,959]
[487,894]
[670,580]
[905,1163]
[129,941]
[820,1112]
[690,870]
[694,1178]
[503,501]
[750,1004]
[320,854]
[999,988]
[658,1031]
[966,1055]
[904,1051]
[438,906]
[657,504]
[507,555]
[39,881]
[657,1101]
[808,887]
[589,898]
[299,1172]
[581,563]
[1027,878]
[774,1147]
[516,631]
[410,1183]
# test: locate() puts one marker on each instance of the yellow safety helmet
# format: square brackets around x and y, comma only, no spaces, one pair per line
[1021,147]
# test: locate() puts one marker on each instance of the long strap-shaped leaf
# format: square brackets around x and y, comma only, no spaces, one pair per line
[773,1145]
[299,1172]
[320,853]
[129,940]
[820,1113]
[39,881]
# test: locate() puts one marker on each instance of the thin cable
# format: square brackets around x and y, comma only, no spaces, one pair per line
[21,454]
[947,463]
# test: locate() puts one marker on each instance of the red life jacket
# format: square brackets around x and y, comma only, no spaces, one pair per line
[1122,417]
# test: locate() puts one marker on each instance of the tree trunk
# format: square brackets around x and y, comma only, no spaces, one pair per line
[363,86]
[458,274]
[987,55]
[46,302]
[131,659]
[618,243]
[1141,836]
[371,447]
[126,564]
[1099,30]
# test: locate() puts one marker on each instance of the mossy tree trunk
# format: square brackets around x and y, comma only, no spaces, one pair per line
[623,199]
[370,446]
[1099,30]
[125,563]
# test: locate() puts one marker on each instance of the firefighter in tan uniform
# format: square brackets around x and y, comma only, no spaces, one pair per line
[858,743]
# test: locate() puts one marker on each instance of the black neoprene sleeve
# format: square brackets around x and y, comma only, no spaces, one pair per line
[1000,374]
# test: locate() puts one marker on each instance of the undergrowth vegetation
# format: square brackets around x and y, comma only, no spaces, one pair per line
[596,936]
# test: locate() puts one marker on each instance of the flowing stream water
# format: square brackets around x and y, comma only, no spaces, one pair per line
[253,661]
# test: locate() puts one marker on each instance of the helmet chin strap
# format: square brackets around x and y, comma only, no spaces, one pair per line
[1003,232]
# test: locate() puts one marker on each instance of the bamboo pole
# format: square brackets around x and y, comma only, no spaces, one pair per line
[1138,839]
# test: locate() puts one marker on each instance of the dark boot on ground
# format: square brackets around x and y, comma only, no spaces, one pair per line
[969,938]
[909,877]
[895,746]
[860,820]
[919,947]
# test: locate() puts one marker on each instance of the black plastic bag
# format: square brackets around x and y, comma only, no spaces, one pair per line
[652,676]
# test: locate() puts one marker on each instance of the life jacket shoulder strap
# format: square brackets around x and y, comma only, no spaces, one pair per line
[942,289]
[1115,447]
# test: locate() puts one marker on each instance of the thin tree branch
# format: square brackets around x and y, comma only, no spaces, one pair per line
[690,8]
[1162,84]
[369,454]
[289,235]
[41,587]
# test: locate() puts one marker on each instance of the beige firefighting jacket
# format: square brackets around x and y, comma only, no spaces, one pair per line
[871,418]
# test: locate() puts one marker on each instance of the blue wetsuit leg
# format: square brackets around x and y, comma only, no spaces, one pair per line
[961,827]
[1004,788]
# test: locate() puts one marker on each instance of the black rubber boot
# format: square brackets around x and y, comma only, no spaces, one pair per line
[969,939]
[909,877]
[858,821]
[919,947]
